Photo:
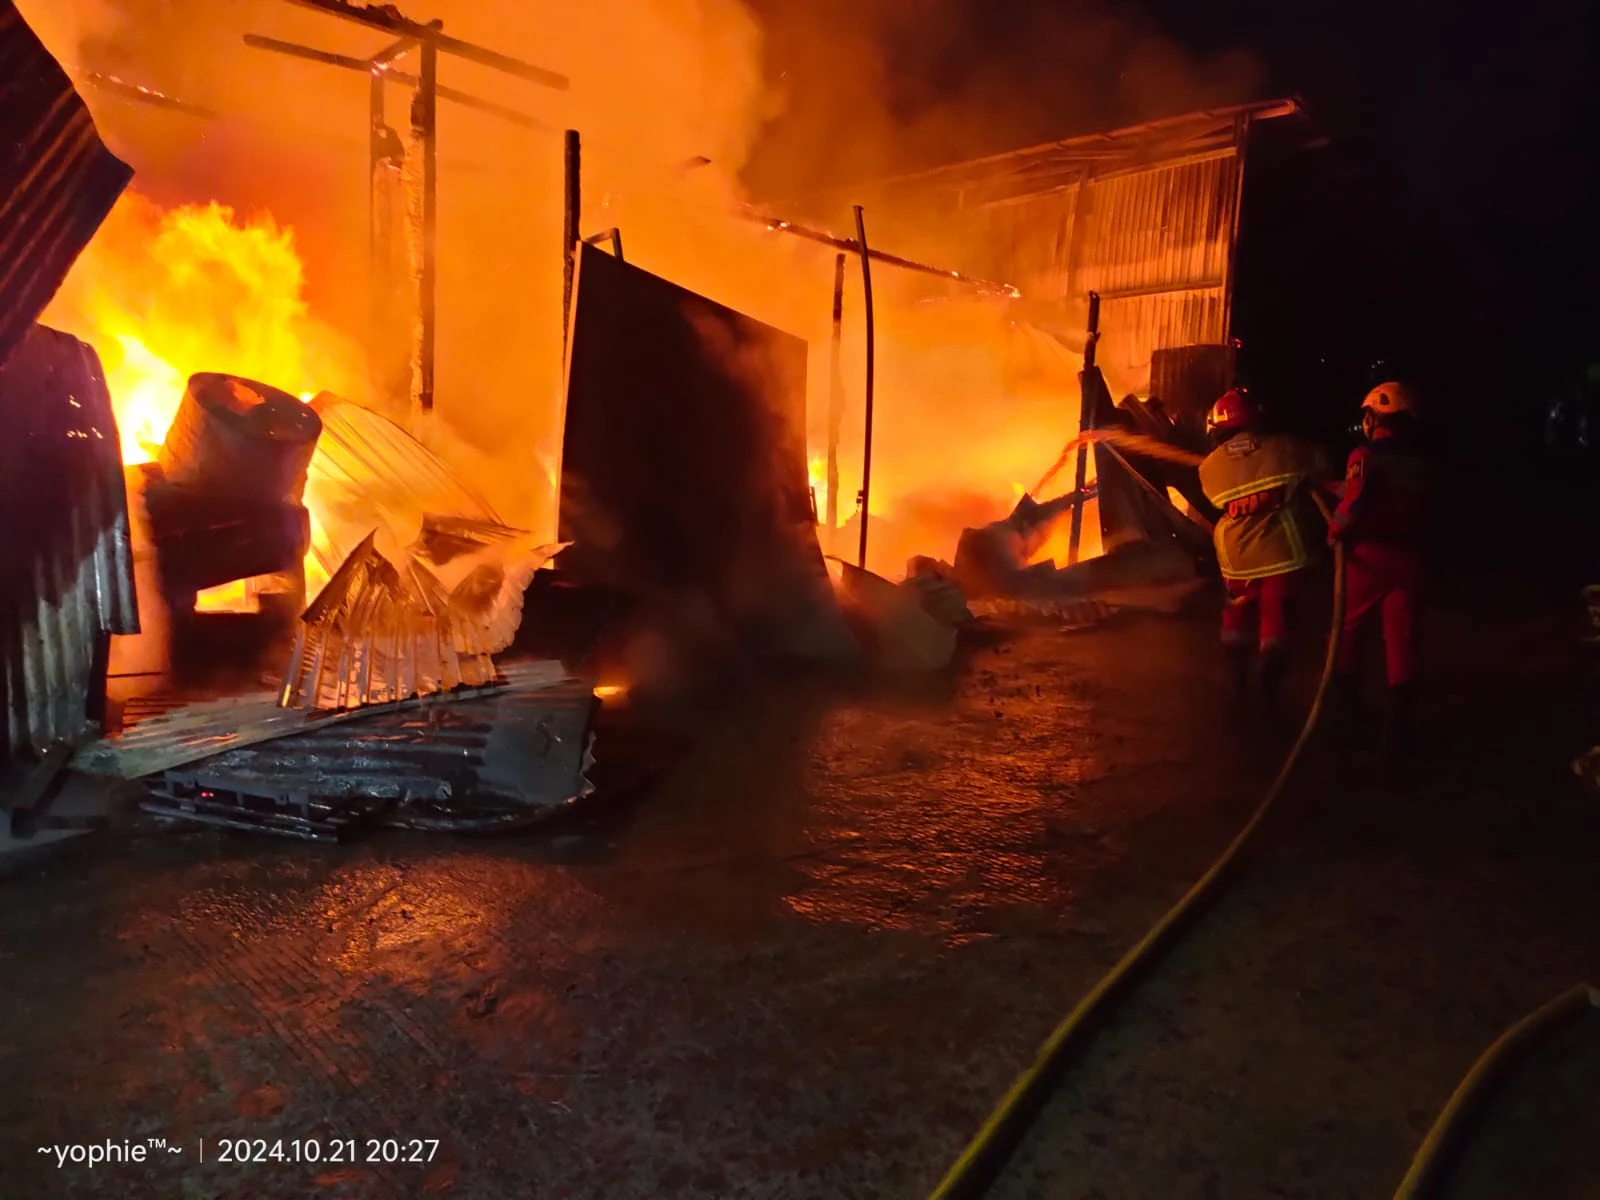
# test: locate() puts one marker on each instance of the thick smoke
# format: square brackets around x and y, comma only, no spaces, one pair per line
[870,87]
[779,96]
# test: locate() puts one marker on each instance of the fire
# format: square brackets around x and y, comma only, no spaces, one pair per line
[1057,545]
[818,468]
[163,294]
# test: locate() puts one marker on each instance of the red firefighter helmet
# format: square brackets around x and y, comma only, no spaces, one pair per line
[1233,411]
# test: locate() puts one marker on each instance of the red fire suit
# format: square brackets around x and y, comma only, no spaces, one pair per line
[1261,539]
[1378,520]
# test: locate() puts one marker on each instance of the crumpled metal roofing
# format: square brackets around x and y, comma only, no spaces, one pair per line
[162,733]
[66,562]
[57,180]
[517,745]
[484,759]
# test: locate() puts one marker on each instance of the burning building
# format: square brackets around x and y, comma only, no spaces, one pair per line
[1147,217]
[1146,220]
[370,510]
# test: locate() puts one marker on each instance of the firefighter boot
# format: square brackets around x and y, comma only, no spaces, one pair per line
[1402,718]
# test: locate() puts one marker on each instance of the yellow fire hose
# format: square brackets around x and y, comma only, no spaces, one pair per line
[983,1157]
[988,1151]
[1427,1168]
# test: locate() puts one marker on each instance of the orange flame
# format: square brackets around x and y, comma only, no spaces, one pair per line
[818,469]
[162,295]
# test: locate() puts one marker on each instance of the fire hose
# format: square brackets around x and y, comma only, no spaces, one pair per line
[984,1156]
[1427,1167]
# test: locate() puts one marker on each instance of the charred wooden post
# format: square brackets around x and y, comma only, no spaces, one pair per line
[835,391]
[424,121]
[1085,417]
[866,450]
[422,175]
[571,214]
[385,161]
[377,157]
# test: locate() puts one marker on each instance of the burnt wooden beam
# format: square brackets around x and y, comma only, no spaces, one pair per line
[395,51]
[852,246]
[425,122]
[389,21]
[144,95]
[571,218]
[373,67]
[350,62]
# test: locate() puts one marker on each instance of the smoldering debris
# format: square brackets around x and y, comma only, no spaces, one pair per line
[1152,556]
[409,620]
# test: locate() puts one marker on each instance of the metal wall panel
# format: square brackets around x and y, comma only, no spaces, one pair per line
[66,563]
[57,182]
[1160,230]
[1133,328]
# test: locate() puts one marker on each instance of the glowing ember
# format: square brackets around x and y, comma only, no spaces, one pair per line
[611,691]
[236,597]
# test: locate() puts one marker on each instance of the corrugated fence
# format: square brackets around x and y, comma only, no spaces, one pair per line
[66,565]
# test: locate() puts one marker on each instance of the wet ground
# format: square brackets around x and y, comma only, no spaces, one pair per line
[808,961]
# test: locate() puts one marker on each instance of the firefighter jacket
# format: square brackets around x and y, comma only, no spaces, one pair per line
[1257,483]
[1385,486]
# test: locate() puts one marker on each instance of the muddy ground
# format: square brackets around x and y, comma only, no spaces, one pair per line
[807,961]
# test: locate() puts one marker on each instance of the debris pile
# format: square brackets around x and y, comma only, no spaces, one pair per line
[392,708]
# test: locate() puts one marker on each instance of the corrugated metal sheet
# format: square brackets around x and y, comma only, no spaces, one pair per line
[57,181]
[1133,328]
[164,733]
[66,565]
[1032,170]
[1160,230]
[501,757]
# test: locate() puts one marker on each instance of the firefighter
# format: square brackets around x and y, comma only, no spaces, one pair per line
[1264,534]
[1378,520]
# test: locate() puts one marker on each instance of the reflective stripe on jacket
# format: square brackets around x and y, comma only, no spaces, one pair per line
[1256,483]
